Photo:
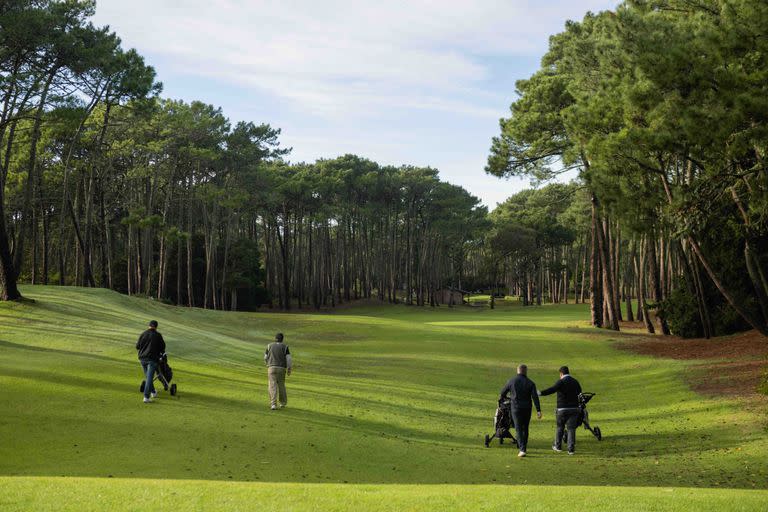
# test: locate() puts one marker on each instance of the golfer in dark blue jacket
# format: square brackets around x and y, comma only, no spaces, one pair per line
[523,396]
[568,412]
[150,346]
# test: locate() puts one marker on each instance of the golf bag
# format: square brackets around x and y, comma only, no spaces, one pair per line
[502,423]
[164,374]
[584,416]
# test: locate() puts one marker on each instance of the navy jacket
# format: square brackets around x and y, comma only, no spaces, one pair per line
[150,345]
[522,391]
[568,390]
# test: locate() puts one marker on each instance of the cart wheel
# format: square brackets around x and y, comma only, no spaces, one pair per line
[598,434]
[141,388]
[173,389]
[487,440]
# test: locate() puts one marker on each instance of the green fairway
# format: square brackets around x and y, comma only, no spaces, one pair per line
[382,399]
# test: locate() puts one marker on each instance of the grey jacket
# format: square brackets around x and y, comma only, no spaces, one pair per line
[278,355]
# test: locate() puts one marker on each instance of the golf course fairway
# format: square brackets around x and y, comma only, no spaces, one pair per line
[387,410]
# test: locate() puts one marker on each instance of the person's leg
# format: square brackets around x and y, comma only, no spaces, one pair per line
[517,420]
[272,386]
[573,420]
[150,367]
[522,421]
[281,387]
[560,422]
[144,372]
[527,424]
[152,390]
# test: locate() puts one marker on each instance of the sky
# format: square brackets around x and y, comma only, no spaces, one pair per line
[418,82]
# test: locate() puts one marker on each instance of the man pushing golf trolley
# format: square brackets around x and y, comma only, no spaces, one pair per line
[154,363]
[571,412]
[163,374]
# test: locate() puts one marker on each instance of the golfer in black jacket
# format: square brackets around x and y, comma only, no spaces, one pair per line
[150,346]
[522,391]
[567,414]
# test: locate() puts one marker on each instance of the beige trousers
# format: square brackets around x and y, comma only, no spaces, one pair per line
[277,384]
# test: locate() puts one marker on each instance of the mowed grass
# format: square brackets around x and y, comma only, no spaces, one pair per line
[387,410]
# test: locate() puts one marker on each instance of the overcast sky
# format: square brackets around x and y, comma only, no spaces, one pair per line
[420,82]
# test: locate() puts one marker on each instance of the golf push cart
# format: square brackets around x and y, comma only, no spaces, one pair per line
[502,421]
[164,374]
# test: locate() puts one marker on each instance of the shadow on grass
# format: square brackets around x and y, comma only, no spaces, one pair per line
[68,353]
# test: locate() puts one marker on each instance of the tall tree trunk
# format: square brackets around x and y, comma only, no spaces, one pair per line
[761,327]
[653,275]
[755,271]
[8,288]
[608,289]
[595,287]
[628,286]
[641,292]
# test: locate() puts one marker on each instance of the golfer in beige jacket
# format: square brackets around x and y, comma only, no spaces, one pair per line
[278,360]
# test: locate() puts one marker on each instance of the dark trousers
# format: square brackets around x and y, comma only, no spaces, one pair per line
[522,418]
[567,419]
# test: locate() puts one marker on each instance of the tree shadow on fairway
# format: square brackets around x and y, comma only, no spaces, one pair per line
[358,425]
[381,400]
[682,442]
[66,379]
[192,399]
[193,373]
[68,353]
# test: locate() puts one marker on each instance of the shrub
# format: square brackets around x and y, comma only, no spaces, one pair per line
[682,313]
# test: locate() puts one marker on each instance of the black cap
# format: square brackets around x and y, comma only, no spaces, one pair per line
[153,323]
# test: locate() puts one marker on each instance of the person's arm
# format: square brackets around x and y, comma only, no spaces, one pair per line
[288,359]
[266,354]
[138,342]
[505,390]
[535,397]
[552,389]
[162,343]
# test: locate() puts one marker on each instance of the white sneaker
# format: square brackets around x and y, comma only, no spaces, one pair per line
[556,449]
[521,454]
[571,453]
[153,394]
[282,406]
[147,401]
[274,407]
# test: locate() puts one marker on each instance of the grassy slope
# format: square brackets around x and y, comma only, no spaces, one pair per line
[380,396]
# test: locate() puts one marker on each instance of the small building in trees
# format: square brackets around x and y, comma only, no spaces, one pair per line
[450,296]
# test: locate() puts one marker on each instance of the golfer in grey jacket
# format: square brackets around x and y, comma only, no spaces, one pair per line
[278,360]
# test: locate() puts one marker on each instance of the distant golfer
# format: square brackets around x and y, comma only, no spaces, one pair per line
[150,346]
[278,360]
[567,414]
[522,391]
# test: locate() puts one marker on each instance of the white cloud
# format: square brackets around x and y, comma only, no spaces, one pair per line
[379,77]
[336,57]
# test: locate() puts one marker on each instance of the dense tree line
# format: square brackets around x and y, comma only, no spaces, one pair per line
[105,184]
[662,107]
[533,247]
